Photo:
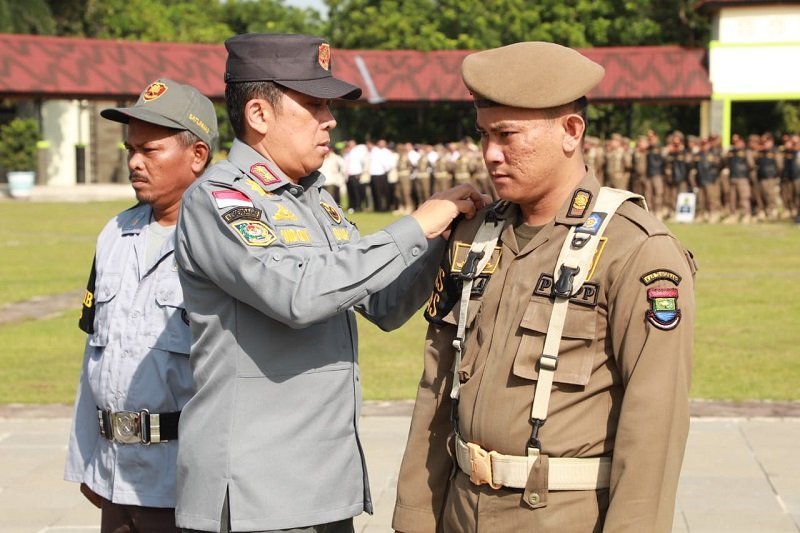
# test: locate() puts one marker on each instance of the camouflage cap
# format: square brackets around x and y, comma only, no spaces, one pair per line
[172,105]
[533,75]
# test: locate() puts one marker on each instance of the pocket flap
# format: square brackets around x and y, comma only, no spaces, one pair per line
[579,323]
[575,358]
[472,312]
[107,287]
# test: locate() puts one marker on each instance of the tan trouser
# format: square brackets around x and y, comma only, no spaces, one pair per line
[769,195]
[740,192]
[656,200]
[712,201]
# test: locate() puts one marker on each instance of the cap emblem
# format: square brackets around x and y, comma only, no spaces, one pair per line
[324,56]
[153,91]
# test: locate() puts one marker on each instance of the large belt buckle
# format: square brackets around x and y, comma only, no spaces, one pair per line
[126,426]
[480,462]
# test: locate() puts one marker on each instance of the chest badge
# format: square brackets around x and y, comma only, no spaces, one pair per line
[332,212]
[283,214]
[460,253]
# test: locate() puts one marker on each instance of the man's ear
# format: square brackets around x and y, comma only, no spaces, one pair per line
[256,115]
[199,157]
[574,126]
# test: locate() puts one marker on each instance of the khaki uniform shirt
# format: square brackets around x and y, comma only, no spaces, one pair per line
[620,389]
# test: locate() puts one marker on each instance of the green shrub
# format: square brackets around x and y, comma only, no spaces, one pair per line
[18,141]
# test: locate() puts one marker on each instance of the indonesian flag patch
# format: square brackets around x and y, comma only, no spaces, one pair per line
[227,199]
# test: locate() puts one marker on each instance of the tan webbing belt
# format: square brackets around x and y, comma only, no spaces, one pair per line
[564,473]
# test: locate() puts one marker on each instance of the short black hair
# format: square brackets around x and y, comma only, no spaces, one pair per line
[237,94]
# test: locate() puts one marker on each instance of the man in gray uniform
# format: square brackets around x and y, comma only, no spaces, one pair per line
[272,271]
[136,376]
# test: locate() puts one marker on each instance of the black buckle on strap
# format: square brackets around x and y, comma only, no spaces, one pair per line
[469,270]
[534,441]
[563,286]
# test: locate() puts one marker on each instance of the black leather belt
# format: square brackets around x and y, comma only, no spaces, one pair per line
[143,427]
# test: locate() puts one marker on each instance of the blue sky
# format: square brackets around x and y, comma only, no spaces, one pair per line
[319,5]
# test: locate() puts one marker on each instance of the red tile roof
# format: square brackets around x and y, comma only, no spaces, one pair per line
[64,67]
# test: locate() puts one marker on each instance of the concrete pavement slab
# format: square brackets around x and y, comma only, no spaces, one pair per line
[740,474]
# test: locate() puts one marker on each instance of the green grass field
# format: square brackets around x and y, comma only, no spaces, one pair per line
[748,299]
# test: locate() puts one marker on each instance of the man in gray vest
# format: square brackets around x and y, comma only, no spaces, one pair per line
[273,272]
[136,376]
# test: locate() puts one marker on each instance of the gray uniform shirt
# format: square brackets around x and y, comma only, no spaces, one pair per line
[271,272]
[136,358]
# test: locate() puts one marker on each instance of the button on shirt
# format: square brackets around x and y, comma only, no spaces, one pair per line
[136,358]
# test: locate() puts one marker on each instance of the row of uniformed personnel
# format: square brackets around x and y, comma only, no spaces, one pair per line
[753,179]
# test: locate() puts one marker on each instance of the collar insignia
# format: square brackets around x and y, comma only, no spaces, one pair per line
[264,174]
[580,201]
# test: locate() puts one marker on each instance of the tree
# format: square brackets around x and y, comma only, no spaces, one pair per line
[26,16]
[476,24]
[248,16]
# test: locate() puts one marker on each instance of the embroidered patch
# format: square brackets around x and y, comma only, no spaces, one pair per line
[324,56]
[332,212]
[580,201]
[663,273]
[592,224]
[587,296]
[153,91]
[254,232]
[291,236]
[230,198]
[283,214]
[663,313]
[341,234]
[264,174]
[460,253]
[238,213]
[257,188]
[596,258]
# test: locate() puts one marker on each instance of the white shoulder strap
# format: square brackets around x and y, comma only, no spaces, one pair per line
[572,270]
[480,252]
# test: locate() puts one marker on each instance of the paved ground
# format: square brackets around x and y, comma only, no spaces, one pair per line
[741,474]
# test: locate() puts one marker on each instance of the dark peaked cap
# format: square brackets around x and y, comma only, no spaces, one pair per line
[533,75]
[300,62]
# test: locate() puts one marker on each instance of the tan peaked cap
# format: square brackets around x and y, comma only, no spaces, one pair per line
[531,74]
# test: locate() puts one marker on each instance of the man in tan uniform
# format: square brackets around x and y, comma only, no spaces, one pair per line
[607,452]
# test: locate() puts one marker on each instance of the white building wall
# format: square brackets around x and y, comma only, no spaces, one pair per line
[759,24]
[65,124]
[756,53]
